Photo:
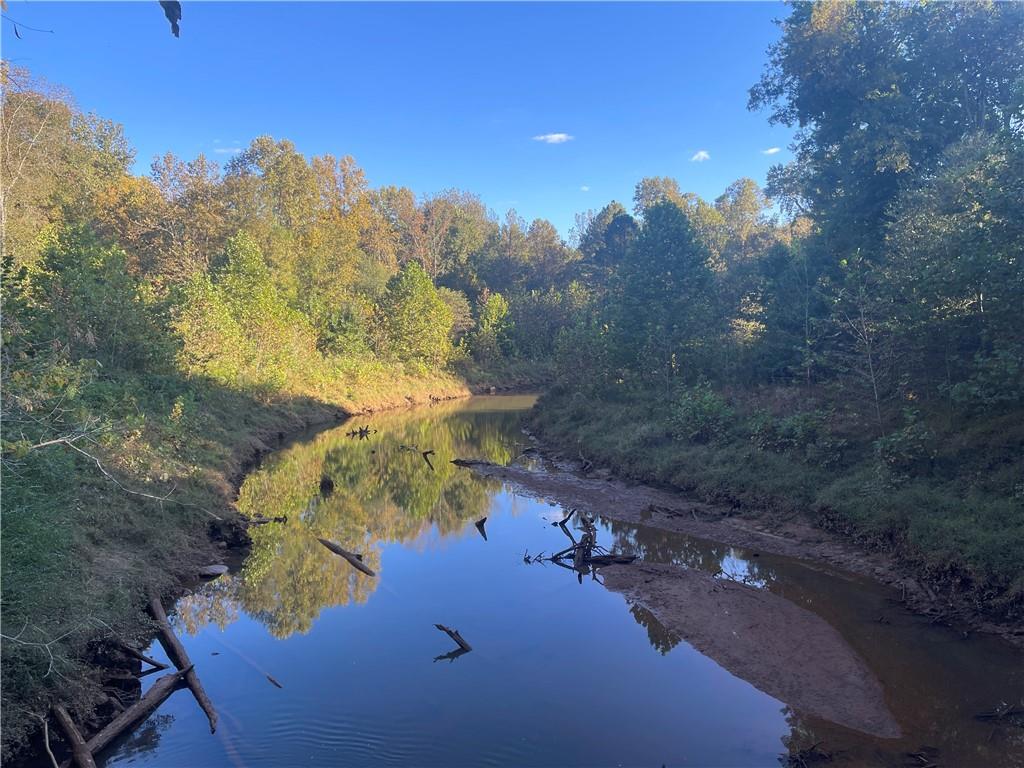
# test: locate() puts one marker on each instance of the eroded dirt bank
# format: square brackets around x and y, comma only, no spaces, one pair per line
[597,492]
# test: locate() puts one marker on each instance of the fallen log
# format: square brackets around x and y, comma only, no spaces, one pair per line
[79,750]
[254,521]
[454,635]
[139,711]
[451,655]
[176,653]
[141,656]
[600,560]
[470,463]
[356,561]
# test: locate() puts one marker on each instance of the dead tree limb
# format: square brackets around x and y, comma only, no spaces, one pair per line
[176,653]
[454,635]
[140,710]
[141,656]
[79,750]
[356,561]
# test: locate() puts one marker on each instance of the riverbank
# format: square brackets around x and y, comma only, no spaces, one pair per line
[98,520]
[952,555]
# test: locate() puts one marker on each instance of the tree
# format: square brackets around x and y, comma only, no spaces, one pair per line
[603,239]
[238,330]
[654,190]
[55,160]
[879,91]
[413,323]
[954,272]
[666,313]
[492,326]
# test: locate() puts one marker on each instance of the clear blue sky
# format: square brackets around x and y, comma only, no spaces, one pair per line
[433,96]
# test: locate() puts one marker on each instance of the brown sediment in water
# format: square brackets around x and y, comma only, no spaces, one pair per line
[599,493]
[778,647]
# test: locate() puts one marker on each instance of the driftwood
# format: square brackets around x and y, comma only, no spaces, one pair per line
[140,710]
[469,463]
[141,656]
[80,752]
[254,521]
[565,519]
[177,654]
[585,555]
[454,635]
[600,560]
[451,655]
[356,561]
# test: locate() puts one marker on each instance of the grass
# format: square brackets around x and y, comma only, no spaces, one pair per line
[956,517]
[80,551]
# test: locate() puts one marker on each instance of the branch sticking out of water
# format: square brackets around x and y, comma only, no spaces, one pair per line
[454,635]
[355,560]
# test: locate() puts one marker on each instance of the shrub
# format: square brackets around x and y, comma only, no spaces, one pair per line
[908,451]
[700,415]
[412,322]
[804,433]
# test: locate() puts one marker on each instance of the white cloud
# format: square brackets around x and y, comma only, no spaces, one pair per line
[227,150]
[700,157]
[554,138]
[771,151]
[584,188]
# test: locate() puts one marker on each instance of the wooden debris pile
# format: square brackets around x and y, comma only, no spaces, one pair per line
[584,556]
[83,751]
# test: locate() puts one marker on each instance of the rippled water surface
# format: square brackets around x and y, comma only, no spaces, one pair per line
[561,672]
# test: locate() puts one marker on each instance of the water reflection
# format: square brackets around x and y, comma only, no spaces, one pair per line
[382,491]
[415,525]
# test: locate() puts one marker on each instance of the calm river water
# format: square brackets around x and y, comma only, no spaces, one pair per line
[561,673]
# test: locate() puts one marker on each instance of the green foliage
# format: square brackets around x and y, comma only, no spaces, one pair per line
[82,297]
[148,312]
[997,380]
[909,450]
[491,338]
[238,331]
[700,415]
[802,434]
[413,323]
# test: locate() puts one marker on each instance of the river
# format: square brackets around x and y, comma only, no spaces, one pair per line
[310,662]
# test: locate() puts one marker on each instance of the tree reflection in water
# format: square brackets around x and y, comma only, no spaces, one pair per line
[381,494]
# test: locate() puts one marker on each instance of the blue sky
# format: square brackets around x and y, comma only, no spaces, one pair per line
[433,96]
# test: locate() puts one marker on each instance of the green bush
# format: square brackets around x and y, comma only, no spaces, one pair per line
[998,380]
[700,415]
[908,451]
[804,434]
[412,322]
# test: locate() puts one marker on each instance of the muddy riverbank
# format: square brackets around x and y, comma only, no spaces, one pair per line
[772,654]
[599,492]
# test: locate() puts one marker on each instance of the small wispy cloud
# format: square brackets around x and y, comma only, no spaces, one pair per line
[700,157]
[554,138]
[584,188]
[771,151]
[227,150]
